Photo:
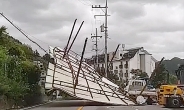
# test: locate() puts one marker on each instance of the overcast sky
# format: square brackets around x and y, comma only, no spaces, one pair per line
[156,25]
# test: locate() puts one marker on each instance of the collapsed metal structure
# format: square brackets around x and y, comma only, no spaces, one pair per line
[71,74]
[75,77]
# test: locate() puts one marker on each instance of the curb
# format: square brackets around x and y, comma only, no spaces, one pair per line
[27,108]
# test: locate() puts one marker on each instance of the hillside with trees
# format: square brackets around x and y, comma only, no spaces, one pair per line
[19,76]
[163,77]
[173,64]
[166,72]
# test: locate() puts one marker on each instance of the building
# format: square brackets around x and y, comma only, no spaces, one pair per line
[125,61]
[43,72]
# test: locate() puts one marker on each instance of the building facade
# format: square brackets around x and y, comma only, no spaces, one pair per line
[125,61]
[43,72]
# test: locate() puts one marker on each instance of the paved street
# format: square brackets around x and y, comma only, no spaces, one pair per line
[152,107]
[79,105]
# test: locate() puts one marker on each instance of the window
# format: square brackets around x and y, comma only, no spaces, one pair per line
[111,72]
[121,55]
[52,60]
[137,83]
[43,73]
[122,74]
[126,71]
[116,71]
[127,62]
[126,65]
[116,67]
[111,66]
[42,83]
[120,66]
[102,65]
[126,74]
[43,79]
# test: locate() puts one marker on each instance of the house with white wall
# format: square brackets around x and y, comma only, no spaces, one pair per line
[43,72]
[125,61]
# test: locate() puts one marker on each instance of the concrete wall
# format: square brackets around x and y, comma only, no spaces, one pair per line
[148,64]
[142,62]
[152,65]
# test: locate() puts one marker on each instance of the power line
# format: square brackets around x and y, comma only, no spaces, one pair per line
[90,1]
[84,3]
[20,30]
[102,10]
[35,37]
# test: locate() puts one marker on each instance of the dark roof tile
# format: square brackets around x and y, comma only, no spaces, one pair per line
[131,53]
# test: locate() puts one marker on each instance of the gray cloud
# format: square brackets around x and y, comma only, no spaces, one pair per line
[157,25]
[127,10]
[43,16]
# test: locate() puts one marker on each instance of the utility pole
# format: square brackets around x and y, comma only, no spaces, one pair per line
[106,35]
[96,44]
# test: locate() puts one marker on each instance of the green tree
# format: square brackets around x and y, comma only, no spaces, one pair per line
[160,76]
[139,73]
[19,77]
[15,51]
[11,83]
[3,30]
[172,79]
[36,54]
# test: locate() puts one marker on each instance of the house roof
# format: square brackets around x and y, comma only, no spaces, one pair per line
[154,59]
[137,48]
[131,53]
[92,60]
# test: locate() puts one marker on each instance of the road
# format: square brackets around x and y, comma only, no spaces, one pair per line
[86,105]
[152,107]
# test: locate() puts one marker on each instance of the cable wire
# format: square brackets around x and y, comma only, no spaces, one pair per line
[84,3]
[20,30]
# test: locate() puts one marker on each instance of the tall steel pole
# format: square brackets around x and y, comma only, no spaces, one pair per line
[106,35]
